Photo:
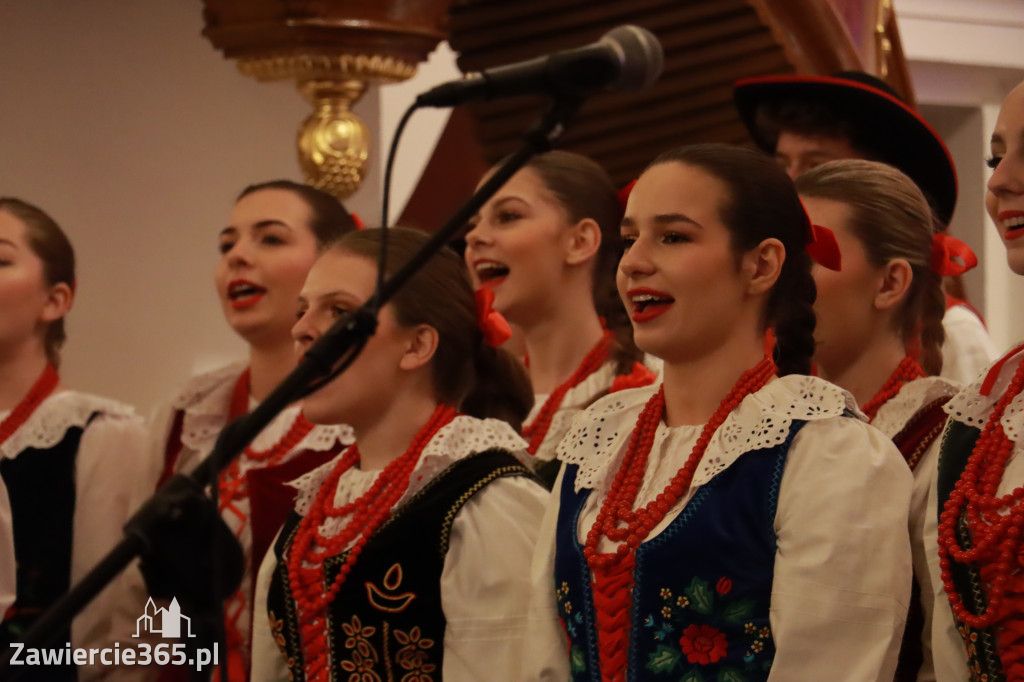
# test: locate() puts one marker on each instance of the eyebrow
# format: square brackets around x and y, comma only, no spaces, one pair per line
[261,225]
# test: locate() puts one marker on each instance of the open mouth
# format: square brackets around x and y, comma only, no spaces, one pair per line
[243,294]
[648,304]
[490,272]
[1012,223]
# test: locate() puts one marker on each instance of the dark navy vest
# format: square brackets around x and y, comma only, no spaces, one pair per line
[41,488]
[386,619]
[702,586]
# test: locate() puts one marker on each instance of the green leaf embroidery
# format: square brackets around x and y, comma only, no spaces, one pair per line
[731,675]
[738,611]
[701,597]
[663,659]
[692,676]
[577,661]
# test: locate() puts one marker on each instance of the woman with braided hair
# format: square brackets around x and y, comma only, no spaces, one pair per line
[546,246]
[714,526]
[879,335]
[979,496]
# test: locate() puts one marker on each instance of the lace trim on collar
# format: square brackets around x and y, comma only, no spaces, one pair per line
[598,438]
[970,407]
[207,398]
[463,437]
[55,416]
[913,396]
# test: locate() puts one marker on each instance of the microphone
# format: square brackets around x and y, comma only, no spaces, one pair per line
[625,58]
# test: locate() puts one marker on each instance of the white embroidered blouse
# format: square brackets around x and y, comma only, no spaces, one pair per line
[113,477]
[892,417]
[837,611]
[205,404]
[485,580]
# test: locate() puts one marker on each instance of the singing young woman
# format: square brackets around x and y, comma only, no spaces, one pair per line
[879,335]
[980,491]
[272,237]
[546,246]
[727,523]
[73,464]
[407,557]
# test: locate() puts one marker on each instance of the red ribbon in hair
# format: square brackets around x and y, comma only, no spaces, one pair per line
[822,246]
[950,256]
[491,322]
[624,194]
[360,225]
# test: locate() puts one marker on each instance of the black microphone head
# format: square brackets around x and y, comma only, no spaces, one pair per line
[640,56]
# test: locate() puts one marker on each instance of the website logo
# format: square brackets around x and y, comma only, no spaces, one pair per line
[166,622]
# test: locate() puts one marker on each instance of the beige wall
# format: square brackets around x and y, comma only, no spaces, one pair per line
[126,125]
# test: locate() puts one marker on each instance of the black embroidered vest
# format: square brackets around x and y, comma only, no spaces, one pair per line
[41,488]
[387,619]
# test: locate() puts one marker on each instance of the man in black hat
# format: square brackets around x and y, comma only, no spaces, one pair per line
[805,121]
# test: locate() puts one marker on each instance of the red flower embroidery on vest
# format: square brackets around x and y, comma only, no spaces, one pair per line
[703,644]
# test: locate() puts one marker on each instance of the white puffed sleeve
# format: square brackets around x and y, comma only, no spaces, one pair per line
[485,581]
[546,649]
[113,477]
[844,497]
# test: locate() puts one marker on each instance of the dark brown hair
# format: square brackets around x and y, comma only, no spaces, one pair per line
[761,203]
[329,219]
[584,190]
[891,218]
[49,243]
[469,374]
[811,118]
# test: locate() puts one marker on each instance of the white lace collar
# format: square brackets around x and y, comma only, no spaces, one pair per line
[599,435]
[970,407]
[54,416]
[462,437]
[207,399]
[912,397]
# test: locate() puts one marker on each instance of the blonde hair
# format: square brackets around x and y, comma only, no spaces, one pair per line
[892,219]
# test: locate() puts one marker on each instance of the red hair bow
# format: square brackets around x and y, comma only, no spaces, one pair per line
[491,322]
[822,246]
[360,225]
[950,256]
[624,195]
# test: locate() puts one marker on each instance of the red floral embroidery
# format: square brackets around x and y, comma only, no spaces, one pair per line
[703,644]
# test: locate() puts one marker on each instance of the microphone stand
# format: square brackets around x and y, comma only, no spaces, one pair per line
[177,507]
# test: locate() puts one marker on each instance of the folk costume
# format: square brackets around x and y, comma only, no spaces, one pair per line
[75,470]
[980,485]
[909,410]
[253,492]
[417,571]
[746,553]
[552,414]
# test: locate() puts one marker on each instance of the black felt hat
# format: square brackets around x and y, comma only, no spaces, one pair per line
[892,129]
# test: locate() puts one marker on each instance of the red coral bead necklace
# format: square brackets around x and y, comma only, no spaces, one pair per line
[310,548]
[994,522]
[907,370]
[536,430]
[40,391]
[620,523]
